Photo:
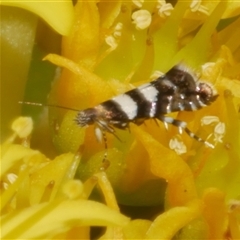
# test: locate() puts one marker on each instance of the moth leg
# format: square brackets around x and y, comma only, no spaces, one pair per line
[105,162]
[101,136]
[104,126]
[183,126]
[100,133]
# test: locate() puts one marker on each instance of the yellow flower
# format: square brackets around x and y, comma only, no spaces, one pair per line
[59,16]
[18,30]
[111,47]
[41,196]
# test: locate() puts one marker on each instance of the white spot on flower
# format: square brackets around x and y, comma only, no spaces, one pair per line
[219,128]
[211,70]
[5,185]
[12,177]
[196,6]
[142,19]
[208,65]
[111,41]
[138,3]
[207,120]
[23,126]
[117,33]
[178,146]
[164,9]
[219,132]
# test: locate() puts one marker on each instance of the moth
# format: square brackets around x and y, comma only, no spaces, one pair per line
[177,90]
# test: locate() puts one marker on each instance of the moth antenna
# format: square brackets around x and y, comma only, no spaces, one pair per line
[31,103]
[47,105]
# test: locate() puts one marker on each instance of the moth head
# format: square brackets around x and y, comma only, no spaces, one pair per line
[86,117]
[206,92]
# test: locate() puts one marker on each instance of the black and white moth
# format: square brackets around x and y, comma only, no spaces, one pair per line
[177,90]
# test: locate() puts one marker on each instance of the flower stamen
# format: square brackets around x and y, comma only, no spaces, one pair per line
[138,3]
[142,19]
[164,9]
[178,146]
[196,6]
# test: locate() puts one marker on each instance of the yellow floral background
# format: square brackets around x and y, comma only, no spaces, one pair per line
[156,184]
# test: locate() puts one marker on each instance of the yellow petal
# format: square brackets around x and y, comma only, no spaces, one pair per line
[166,37]
[9,194]
[45,220]
[215,212]
[87,79]
[166,225]
[83,48]
[18,29]
[168,165]
[12,154]
[232,10]
[137,229]
[234,225]
[59,15]
[56,172]
[201,40]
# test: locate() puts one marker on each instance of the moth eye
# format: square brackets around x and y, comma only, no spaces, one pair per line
[207,93]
